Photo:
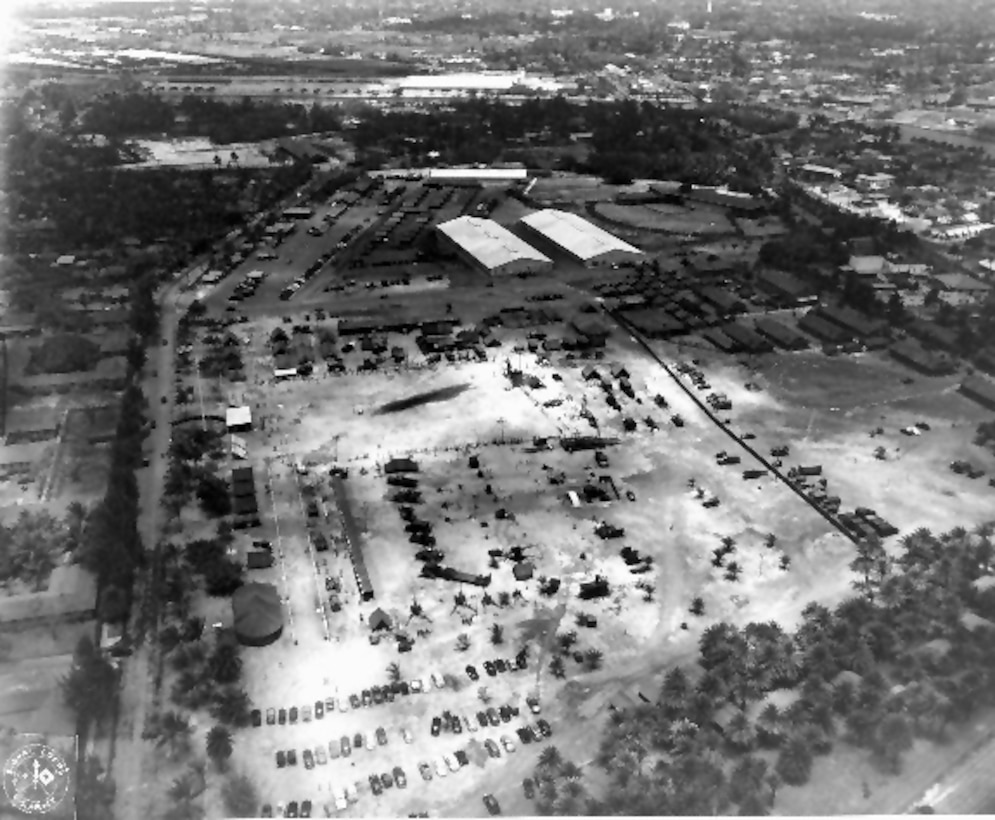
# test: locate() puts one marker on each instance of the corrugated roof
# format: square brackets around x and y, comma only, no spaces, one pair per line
[575,234]
[491,244]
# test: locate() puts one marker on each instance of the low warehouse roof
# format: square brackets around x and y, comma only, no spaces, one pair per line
[491,244]
[575,234]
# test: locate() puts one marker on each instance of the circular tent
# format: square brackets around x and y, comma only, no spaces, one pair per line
[258,614]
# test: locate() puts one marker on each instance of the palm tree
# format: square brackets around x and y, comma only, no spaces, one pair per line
[570,771]
[593,659]
[219,746]
[557,668]
[174,732]
[550,760]
[226,665]
[231,706]
[394,672]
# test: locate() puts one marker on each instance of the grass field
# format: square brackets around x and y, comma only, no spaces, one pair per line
[700,220]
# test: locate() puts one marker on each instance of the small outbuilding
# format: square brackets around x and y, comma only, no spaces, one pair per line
[400,465]
[523,570]
[238,419]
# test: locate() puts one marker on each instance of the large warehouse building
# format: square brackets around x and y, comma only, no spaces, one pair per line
[491,247]
[580,239]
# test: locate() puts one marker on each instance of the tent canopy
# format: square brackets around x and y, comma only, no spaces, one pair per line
[379,619]
[258,614]
[523,571]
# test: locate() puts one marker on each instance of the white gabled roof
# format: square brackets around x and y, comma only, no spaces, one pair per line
[238,416]
[575,234]
[489,243]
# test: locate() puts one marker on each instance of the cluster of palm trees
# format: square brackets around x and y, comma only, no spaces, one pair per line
[591,658]
[904,658]
[560,788]
[30,548]
[210,678]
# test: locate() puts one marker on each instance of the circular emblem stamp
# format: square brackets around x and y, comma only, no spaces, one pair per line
[36,779]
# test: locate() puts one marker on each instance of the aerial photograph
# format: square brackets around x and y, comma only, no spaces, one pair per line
[453,409]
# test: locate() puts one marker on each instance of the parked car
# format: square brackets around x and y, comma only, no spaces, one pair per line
[416,686]
[357,740]
[501,665]
[492,748]
[468,724]
[367,697]
[504,712]
[341,799]
[492,804]
[293,714]
[533,704]
[270,716]
[319,755]
[282,719]
[334,750]
[489,668]
[378,696]
[537,734]
[281,759]
[544,727]
[291,758]
[308,756]
[354,701]
[386,780]
[371,743]
[493,717]
[437,680]
[451,763]
[482,719]
[291,809]
[351,793]
[472,672]
[461,757]
[457,725]
[306,808]
[375,785]
[403,688]
[306,714]
[319,709]
[507,743]
[529,787]
[257,718]
[267,810]
[436,726]
[406,736]
[524,734]
[425,771]
[381,736]
[345,746]
[399,777]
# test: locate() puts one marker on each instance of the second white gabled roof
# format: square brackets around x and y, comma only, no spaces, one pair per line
[489,243]
[575,234]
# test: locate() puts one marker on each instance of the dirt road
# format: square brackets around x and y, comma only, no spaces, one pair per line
[130,753]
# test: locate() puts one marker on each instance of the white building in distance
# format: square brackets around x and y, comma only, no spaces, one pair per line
[490,247]
[582,240]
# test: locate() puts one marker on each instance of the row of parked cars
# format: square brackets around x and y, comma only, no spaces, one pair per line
[374,696]
[492,716]
[499,666]
[339,748]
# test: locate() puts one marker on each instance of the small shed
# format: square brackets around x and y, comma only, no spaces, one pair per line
[238,419]
[523,571]
[379,620]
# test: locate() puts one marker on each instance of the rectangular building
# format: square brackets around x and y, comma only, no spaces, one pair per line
[490,247]
[581,240]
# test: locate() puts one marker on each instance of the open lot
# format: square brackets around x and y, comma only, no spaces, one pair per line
[662,487]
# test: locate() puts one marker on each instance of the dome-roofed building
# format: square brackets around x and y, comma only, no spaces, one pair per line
[258,614]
